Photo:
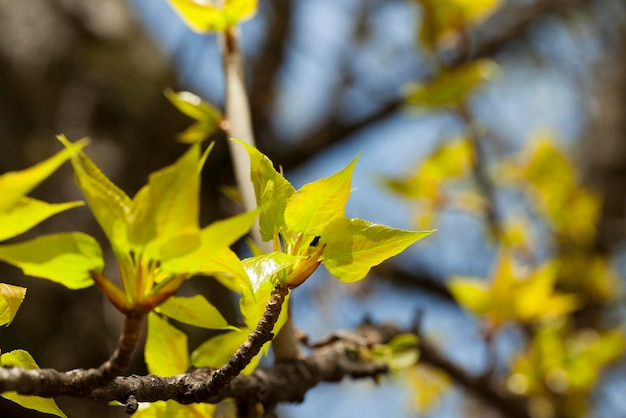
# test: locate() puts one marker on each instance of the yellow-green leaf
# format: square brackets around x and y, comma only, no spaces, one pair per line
[263,268]
[15,185]
[207,117]
[110,206]
[272,191]
[165,212]
[470,292]
[208,16]
[11,298]
[317,204]
[441,18]
[65,258]
[172,409]
[451,87]
[21,358]
[353,246]
[216,351]
[26,213]
[195,310]
[228,269]
[166,348]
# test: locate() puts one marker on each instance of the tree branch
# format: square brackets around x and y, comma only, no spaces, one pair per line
[79,382]
[285,382]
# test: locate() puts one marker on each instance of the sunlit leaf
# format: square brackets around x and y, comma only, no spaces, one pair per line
[11,298]
[166,348]
[172,409]
[216,351]
[26,213]
[442,18]
[21,358]
[317,204]
[428,386]
[15,185]
[471,293]
[65,258]
[430,182]
[207,117]
[208,16]
[110,206]
[165,212]
[354,246]
[228,269]
[271,189]
[263,268]
[451,87]
[195,310]
[514,295]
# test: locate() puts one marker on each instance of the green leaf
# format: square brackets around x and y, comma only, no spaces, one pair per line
[110,206]
[205,17]
[208,117]
[452,87]
[319,203]
[272,191]
[172,409]
[195,310]
[261,269]
[216,351]
[213,257]
[442,18]
[11,298]
[470,292]
[165,212]
[65,258]
[252,306]
[21,358]
[228,269]
[15,185]
[27,213]
[353,246]
[166,348]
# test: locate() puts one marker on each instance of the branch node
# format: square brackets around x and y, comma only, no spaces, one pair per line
[131,405]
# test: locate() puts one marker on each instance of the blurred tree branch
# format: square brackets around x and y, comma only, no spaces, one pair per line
[490,38]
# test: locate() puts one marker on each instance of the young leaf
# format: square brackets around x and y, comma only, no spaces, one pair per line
[65,258]
[263,268]
[110,206]
[319,203]
[205,17]
[195,310]
[441,18]
[271,189]
[172,409]
[11,298]
[451,88]
[164,217]
[166,348]
[512,296]
[353,246]
[27,213]
[17,184]
[207,117]
[21,358]
[216,351]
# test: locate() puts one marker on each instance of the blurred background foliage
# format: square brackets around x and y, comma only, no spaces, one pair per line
[501,123]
